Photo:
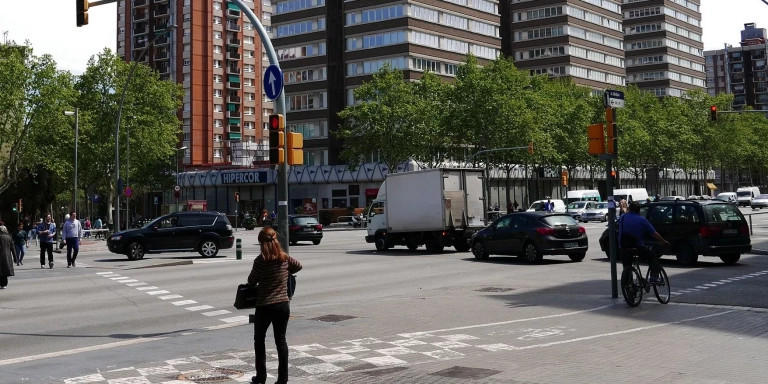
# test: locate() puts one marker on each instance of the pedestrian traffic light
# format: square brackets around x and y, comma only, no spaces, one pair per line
[295,148]
[713,113]
[82,12]
[530,147]
[276,139]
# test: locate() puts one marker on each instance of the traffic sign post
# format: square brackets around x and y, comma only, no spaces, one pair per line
[611,100]
[273,82]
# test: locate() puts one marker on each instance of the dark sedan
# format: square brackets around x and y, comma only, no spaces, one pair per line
[531,235]
[304,228]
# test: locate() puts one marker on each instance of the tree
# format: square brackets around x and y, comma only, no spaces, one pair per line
[387,121]
[33,96]
[149,109]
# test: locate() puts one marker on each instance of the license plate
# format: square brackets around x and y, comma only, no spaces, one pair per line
[308,229]
[570,245]
[729,232]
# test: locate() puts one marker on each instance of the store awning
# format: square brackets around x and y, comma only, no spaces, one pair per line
[712,186]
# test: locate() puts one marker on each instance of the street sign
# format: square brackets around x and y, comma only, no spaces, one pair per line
[613,99]
[128,191]
[177,188]
[273,82]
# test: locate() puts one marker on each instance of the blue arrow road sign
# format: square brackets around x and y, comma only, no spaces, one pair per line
[273,82]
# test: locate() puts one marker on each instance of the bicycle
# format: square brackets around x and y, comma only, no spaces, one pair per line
[633,283]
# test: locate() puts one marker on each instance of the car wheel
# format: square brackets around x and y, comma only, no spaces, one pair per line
[316,242]
[478,249]
[434,246]
[208,248]
[292,242]
[686,255]
[135,251]
[381,244]
[531,254]
[730,259]
[412,246]
[462,246]
[605,218]
[578,256]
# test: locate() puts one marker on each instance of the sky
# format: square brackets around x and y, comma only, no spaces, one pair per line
[49,26]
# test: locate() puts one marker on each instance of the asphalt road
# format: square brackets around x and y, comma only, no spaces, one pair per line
[497,321]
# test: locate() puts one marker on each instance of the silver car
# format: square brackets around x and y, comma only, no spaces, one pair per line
[577,208]
[598,212]
[761,201]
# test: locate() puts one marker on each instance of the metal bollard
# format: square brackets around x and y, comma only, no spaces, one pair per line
[239,249]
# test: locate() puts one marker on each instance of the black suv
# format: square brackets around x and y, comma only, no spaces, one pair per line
[203,232]
[693,228]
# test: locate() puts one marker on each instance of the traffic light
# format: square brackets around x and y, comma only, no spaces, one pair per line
[530,147]
[295,148]
[82,12]
[15,207]
[564,178]
[276,139]
[713,113]
[613,175]
[596,139]
[612,134]
[20,205]
[237,196]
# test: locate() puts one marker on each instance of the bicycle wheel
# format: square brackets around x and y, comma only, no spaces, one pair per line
[662,291]
[631,286]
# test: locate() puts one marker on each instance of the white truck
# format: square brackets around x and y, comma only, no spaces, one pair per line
[438,208]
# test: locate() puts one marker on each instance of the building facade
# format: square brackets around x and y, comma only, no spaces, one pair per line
[583,40]
[217,57]
[741,70]
[664,47]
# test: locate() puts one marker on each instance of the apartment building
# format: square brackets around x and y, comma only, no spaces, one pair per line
[663,44]
[582,39]
[327,48]
[741,70]
[217,56]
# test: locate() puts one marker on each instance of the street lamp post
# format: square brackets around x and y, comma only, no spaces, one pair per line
[117,125]
[128,172]
[76,113]
[177,172]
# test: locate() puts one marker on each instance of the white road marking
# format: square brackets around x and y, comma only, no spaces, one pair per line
[237,319]
[136,284]
[79,350]
[160,292]
[217,313]
[146,288]
[184,302]
[169,297]
[199,308]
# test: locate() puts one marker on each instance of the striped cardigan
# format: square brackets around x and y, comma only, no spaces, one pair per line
[272,278]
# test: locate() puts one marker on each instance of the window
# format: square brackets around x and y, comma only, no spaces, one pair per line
[217,35]
[217,78]
[217,49]
[218,123]
[218,108]
[217,93]
[217,153]
[217,63]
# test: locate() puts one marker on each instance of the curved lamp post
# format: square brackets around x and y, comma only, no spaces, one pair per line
[117,125]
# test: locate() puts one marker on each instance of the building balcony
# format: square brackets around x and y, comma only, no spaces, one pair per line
[163,68]
[233,85]
[160,41]
[233,41]
[737,79]
[140,29]
[234,136]
[139,44]
[139,3]
[233,70]
[233,13]
[233,55]
[160,27]
[234,114]
[233,99]
[140,16]
[233,27]
[234,128]
[162,55]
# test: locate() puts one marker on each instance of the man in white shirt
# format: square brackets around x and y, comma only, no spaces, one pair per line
[72,232]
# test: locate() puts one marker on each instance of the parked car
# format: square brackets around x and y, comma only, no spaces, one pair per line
[693,228]
[599,212]
[728,197]
[304,228]
[531,235]
[577,208]
[671,198]
[202,232]
[759,202]
[699,197]
[538,205]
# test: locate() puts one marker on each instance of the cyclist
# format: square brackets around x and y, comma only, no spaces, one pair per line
[633,229]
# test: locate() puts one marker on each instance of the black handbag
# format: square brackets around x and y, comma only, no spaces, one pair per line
[291,285]
[246,296]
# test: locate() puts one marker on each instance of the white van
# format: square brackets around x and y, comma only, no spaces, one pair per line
[744,195]
[728,197]
[630,195]
[583,195]
[538,205]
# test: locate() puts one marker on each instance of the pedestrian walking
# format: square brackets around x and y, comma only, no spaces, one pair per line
[87,227]
[20,242]
[46,231]
[7,255]
[97,225]
[270,272]
[72,232]
[33,231]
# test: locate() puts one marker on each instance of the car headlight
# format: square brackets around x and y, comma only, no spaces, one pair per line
[116,238]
